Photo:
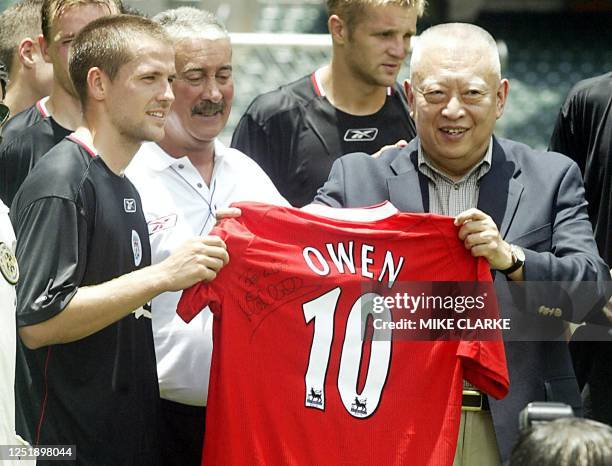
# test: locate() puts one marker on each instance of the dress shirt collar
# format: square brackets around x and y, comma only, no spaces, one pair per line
[424,160]
[160,160]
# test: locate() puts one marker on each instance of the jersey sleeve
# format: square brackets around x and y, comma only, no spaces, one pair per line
[200,295]
[565,138]
[250,138]
[267,137]
[51,252]
[194,299]
[14,167]
[484,366]
[484,362]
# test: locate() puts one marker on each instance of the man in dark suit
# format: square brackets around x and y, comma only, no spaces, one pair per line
[521,210]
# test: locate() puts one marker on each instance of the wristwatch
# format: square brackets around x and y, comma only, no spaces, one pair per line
[518,259]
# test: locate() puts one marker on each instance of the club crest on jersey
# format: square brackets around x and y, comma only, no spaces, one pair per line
[129,205]
[315,398]
[360,134]
[136,248]
[8,264]
[360,407]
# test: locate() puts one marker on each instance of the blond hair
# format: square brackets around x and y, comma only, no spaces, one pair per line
[351,11]
[52,9]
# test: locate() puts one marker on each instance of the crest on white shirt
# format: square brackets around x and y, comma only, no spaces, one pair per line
[162,223]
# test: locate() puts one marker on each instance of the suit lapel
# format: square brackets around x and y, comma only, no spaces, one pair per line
[407,190]
[500,190]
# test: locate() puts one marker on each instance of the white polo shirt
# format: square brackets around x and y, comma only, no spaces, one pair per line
[8,335]
[178,205]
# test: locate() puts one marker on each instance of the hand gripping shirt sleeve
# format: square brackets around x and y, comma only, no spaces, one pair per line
[484,366]
[484,360]
[52,254]
[198,296]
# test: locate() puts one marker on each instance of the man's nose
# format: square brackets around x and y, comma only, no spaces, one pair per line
[167,94]
[454,108]
[211,91]
[399,47]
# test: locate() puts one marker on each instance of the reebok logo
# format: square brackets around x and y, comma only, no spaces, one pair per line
[360,134]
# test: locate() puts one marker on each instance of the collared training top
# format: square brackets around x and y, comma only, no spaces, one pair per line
[79,224]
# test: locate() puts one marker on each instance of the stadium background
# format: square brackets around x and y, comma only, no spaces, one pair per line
[547,46]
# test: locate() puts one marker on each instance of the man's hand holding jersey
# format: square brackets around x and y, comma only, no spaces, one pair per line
[198,259]
[95,307]
[481,236]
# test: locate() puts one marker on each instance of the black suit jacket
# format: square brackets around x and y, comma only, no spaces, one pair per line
[537,201]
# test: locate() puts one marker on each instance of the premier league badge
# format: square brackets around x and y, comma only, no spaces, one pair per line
[8,264]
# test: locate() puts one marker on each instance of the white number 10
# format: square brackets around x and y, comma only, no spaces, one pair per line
[322,310]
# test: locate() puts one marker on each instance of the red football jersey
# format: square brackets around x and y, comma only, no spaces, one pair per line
[293,380]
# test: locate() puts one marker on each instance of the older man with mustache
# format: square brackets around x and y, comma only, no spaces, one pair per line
[183,180]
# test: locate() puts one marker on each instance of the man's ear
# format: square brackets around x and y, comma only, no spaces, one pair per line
[502,96]
[25,52]
[409,96]
[44,48]
[338,29]
[97,83]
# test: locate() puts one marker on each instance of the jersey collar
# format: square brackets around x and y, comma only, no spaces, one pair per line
[41,106]
[318,86]
[90,149]
[364,214]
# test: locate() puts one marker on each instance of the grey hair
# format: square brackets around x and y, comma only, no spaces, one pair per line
[464,34]
[188,22]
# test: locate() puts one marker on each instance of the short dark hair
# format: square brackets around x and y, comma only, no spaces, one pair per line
[108,43]
[17,22]
[352,10]
[564,442]
[51,9]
